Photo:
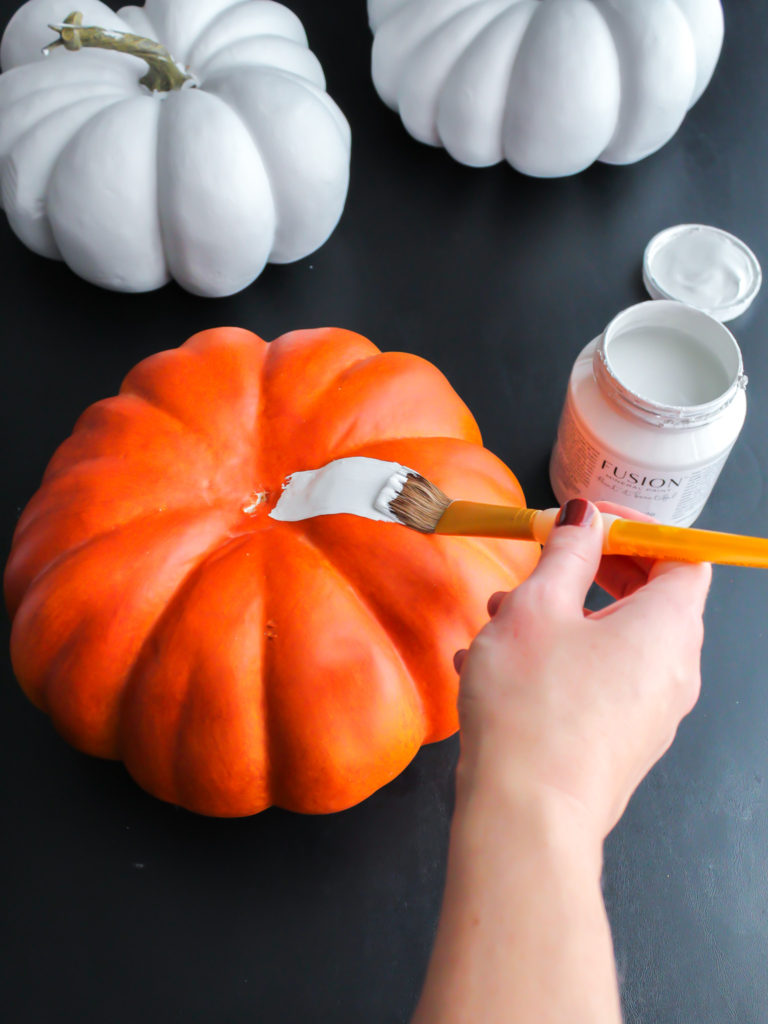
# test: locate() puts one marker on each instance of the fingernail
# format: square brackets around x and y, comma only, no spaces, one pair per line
[458,659]
[576,512]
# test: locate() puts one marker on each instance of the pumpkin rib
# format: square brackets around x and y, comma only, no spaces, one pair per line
[255,41]
[218,548]
[206,25]
[339,334]
[62,613]
[374,614]
[252,136]
[188,511]
[300,757]
[11,134]
[369,448]
[294,350]
[24,79]
[63,556]
[264,21]
[267,707]
[488,27]
[366,376]
[62,463]
[26,149]
[182,785]
[188,427]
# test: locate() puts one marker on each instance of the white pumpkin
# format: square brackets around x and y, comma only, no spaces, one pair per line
[247,161]
[548,85]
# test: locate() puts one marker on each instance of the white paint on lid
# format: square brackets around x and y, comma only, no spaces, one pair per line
[704,267]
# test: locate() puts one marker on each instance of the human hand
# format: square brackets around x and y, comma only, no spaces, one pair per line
[556,701]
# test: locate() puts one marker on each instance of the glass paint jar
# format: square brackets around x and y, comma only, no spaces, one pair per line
[653,408]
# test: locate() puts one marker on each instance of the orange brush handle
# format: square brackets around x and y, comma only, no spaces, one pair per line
[653,540]
[622,536]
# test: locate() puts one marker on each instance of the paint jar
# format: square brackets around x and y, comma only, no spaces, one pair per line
[653,408]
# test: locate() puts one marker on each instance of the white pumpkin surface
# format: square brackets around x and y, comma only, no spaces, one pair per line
[248,162]
[548,85]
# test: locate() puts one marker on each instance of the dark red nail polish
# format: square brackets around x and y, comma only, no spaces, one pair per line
[576,512]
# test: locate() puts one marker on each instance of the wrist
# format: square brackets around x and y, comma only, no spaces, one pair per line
[525,813]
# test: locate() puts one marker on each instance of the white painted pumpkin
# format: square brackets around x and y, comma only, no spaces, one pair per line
[549,85]
[247,162]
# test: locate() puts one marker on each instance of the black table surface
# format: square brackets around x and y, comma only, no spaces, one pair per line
[120,908]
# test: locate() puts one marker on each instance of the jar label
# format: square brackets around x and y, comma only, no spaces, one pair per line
[581,468]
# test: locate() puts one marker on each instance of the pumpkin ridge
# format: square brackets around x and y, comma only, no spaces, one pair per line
[254,140]
[508,98]
[341,573]
[206,26]
[80,687]
[368,449]
[10,172]
[446,25]
[93,73]
[187,427]
[435,31]
[397,362]
[204,74]
[329,104]
[294,781]
[391,18]
[181,785]
[620,107]
[60,559]
[312,345]
[67,100]
[61,464]
[217,549]
[292,30]
[114,159]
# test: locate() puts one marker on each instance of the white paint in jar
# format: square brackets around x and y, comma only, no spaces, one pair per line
[653,408]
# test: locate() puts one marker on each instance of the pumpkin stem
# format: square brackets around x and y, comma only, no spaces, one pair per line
[164,73]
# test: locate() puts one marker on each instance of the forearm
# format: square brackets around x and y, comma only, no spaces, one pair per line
[523,934]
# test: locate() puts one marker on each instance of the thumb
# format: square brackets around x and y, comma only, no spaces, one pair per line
[571,555]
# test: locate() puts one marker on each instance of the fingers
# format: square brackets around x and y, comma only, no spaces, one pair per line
[569,560]
[624,511]
[687,582]
[671,604]
[621,575]
[458,659]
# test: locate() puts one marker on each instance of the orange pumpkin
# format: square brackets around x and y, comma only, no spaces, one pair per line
[161,617]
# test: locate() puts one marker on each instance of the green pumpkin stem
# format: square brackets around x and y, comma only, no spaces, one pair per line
[164,73]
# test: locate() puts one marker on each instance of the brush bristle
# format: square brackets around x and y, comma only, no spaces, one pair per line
[419,504]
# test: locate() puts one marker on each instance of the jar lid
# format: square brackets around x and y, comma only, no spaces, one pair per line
[704,267]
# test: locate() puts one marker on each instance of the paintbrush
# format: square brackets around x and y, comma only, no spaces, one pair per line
[416,502]
[375,489]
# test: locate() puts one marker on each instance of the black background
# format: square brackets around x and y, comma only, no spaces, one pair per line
[119,908]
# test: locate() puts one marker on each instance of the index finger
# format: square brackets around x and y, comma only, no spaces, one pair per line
[676,588]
